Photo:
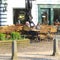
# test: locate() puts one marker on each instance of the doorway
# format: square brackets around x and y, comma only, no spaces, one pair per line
[45,15]
[56,14]
[19,16]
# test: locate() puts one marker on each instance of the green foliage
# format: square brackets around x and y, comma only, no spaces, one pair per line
[2,36]
[15,36]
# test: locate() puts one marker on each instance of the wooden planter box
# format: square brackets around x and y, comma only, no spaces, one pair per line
[23,42]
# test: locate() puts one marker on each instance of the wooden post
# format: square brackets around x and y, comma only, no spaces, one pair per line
[14,50]
[55,47]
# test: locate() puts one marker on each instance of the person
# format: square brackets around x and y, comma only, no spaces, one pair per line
[27,23]
[38,26]
[19,20]
[30,21]
[32,24]
[38,33]
[57,21]
[59,18]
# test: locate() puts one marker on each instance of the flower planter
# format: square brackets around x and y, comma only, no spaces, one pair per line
[22,42]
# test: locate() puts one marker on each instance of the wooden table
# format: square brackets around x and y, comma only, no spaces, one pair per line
[33,33]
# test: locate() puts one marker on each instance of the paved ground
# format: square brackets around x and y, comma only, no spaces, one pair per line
[35,51]
[31,56]
[36,56]
[3,57]
[42,46]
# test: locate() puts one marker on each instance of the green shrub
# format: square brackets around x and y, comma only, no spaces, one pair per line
[15,36]
[2,36]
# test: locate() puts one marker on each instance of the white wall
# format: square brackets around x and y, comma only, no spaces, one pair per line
[35,12]
[13,4]
[48,1]
[35,7]
[21,4]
